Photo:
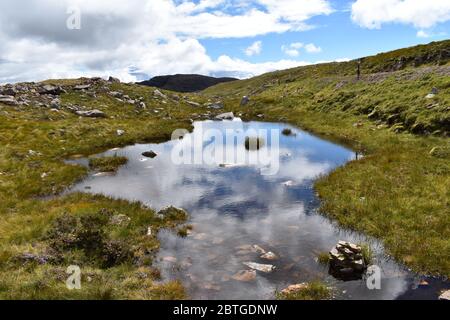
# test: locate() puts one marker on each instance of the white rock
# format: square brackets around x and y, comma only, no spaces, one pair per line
[445,295]
[269,256]
[225,116]
[266,268]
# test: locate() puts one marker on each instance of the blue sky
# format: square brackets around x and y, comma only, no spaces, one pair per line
[138,39]
[336,34]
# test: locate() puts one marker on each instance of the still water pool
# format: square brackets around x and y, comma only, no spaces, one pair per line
[235,205]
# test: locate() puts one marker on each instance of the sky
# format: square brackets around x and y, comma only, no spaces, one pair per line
[138,39]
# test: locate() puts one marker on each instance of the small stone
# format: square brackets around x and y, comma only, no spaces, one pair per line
[295,288]
[150,154]
[430,96]
[91,113]
[245,276]
[445,295]
[269,256]
[170,259]
[192,103]
[216,105]
[159,94]
[258,249]
[287,132]
[266,268]
[245,100]
[120,132]
[120,220]
[423,283]
[82,87]
[225,116]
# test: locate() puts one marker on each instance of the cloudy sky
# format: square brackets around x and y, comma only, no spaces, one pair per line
[137,39]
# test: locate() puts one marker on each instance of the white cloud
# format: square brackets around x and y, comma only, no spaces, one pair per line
[423,34]
[296,45]
[293,50]
[254,49]
[312,48]
[139,36]
[419,13]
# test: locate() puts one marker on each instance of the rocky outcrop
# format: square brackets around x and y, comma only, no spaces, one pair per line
[8,100]
[347,261]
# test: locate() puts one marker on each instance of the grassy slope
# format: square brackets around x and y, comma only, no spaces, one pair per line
[26,219]
[398,192]
[406,190]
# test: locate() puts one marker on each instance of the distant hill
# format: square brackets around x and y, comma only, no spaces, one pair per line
[184,82]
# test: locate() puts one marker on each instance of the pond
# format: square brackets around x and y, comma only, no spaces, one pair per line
[234,205]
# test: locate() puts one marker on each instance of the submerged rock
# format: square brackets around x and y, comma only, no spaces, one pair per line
[269,256]
[245,275]
[266,268]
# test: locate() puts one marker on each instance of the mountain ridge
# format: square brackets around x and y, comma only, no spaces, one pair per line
[184,82]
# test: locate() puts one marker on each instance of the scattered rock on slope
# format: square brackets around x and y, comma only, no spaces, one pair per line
[91,113]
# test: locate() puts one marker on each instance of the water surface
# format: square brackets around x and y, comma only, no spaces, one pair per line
[235,207]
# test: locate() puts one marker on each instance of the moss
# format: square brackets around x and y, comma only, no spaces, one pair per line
[367,253]
[315,290]
[107,164]
[323,258]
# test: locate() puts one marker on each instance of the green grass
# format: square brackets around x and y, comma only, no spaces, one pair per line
[323,258]
[107,164]
[400,191]
[315,290]
[35,142]
[367,254]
